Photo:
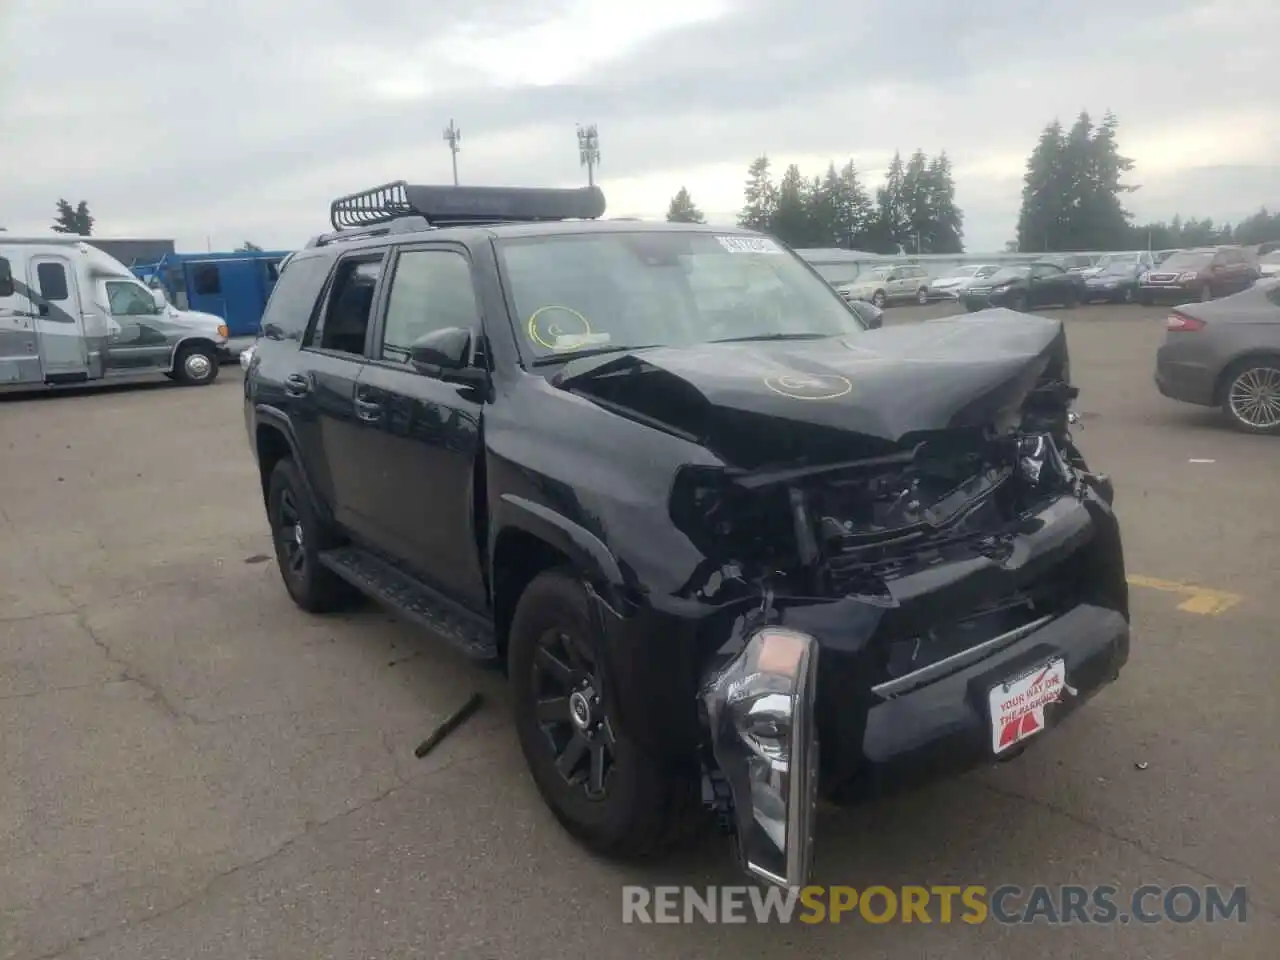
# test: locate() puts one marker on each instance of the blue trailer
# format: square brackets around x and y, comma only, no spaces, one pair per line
[234,286]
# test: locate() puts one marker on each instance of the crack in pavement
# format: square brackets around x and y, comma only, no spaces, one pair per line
[1118,837]
[309,826]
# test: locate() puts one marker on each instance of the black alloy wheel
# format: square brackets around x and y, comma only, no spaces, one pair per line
[299,536]
[570,712]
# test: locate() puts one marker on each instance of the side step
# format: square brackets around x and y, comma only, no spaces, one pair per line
[413,600]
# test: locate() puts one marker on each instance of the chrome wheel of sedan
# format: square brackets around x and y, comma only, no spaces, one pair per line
[1253,397]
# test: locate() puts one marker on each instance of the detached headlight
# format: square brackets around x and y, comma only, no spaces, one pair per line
[760,707]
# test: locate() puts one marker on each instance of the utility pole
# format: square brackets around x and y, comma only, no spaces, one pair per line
[453,136]
[589,150]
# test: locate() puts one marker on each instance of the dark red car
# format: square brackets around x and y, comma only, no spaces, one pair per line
[1199,274]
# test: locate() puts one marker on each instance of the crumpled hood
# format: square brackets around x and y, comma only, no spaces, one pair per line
[761,402]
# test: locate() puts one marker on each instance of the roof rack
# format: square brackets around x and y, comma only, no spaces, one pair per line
[463,206]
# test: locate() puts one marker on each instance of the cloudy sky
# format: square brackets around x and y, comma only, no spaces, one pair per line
[232,120]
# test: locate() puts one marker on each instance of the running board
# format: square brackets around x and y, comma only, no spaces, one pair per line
[413,600]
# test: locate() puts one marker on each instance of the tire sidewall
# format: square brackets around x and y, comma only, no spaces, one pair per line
[285,478]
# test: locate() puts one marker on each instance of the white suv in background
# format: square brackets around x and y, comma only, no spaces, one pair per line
[952,284]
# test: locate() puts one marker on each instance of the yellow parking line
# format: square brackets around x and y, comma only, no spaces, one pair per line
[1201,600]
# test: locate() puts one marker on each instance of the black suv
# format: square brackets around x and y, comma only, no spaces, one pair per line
[705,518]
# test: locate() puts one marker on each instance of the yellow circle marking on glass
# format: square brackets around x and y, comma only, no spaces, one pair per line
[815,387]
[554,329]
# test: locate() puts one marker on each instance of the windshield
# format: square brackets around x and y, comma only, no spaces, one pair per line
[1010,273]
[1118,266]
[1185,260]
[985,271]
[874,274]
[613,291]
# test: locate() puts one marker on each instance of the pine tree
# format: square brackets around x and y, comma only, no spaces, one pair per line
[683,209]
[948,219]
[75,220]
[889,229]
[761,197]
[791,223]
[917,205]
[1109,220]
[856,215]
[1043,195]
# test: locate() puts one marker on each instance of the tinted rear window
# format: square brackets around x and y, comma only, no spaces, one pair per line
[294,297]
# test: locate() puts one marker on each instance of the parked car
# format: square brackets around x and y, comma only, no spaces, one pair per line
[1025,286]
[1116,278]
[1199,274]
[1072,262]
[706,535]
[1227,354]
[891,284]
[951,285]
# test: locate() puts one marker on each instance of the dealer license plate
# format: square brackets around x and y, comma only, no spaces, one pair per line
[1017,706]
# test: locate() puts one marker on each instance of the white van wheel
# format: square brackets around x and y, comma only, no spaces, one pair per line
[195,365]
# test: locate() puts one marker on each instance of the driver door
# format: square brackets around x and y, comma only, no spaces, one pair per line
[138,337]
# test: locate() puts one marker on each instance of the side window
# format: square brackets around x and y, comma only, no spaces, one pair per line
[293,300]
[6,278]
[129,300]
[345,323]
[52,280]
[430,290]
[206,279]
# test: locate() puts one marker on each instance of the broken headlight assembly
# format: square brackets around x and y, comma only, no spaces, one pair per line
[764,740]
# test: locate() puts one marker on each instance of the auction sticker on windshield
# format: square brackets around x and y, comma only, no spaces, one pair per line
[749,245]
[1017,706]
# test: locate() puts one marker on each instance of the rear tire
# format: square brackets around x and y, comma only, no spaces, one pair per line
[195,365]
[299,537]
[1072,299]
[597,781]
[922,296]
[1250,395]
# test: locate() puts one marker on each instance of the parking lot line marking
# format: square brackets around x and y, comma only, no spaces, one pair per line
[1202,600]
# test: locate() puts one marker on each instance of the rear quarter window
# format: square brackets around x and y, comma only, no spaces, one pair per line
[293,298]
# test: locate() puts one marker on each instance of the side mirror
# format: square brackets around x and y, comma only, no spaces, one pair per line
[161,301]
[446,354]
[6,278]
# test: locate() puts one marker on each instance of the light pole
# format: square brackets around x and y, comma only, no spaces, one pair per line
[589,150]
[453,136]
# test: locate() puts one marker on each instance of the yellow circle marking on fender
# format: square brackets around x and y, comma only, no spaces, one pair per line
[554,328]
[809,387]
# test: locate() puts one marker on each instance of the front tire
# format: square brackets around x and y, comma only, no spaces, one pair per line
[922,297]
[1251,395]
[1206,293]
[1018,302]
[195,365]
[300,537]
[878,300]
[598,782]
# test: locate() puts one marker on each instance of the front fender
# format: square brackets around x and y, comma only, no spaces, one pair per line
[587,551]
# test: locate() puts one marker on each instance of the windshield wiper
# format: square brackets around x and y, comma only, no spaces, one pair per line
[591,352]
[774,336]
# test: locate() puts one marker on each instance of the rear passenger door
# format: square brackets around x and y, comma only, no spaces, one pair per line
[421,435]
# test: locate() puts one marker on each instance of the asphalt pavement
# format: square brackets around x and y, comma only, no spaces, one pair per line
[191,767]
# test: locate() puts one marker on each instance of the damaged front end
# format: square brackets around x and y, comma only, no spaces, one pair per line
[903,569]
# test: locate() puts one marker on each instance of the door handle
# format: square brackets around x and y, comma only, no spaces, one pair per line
[368,410]
[296,385]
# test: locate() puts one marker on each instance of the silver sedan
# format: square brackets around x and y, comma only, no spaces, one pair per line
[1226,353]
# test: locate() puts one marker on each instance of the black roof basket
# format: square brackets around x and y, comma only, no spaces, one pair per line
[463,206]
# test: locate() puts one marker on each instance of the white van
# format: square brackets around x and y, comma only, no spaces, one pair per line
[70,313]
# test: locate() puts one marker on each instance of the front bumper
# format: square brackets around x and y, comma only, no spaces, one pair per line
[876,729]
[1169,292]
